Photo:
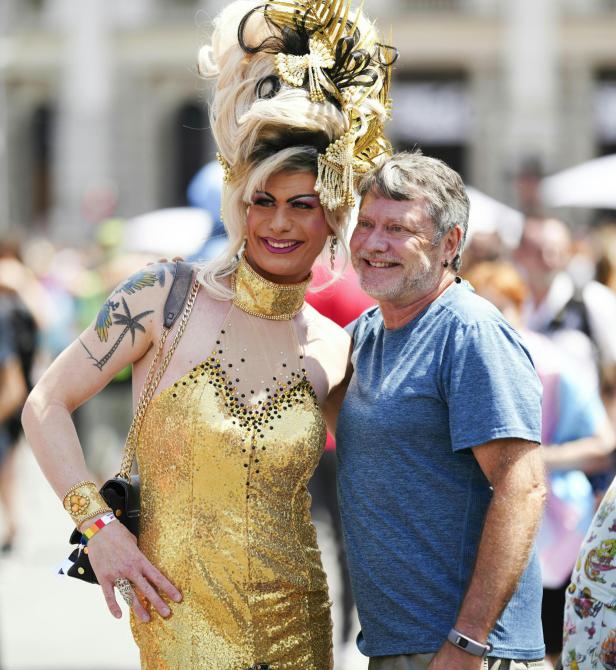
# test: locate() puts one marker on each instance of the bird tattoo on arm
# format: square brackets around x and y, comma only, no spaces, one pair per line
[131,325]
[109,315]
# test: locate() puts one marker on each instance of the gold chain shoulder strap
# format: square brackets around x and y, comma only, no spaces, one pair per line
[151,383]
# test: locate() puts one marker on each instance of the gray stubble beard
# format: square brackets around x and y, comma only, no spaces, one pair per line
[401,288]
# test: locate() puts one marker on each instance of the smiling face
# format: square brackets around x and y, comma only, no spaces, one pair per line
[286,228]
[396,252]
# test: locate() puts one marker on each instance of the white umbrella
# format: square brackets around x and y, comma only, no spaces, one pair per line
[591,184]
[177,231]
[488,215]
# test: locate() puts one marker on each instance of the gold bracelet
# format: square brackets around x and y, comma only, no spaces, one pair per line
[83,501]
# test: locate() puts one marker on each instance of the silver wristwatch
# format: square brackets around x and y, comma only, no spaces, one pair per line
[467,644]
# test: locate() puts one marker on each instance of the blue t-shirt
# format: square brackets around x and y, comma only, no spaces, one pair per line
[412,496]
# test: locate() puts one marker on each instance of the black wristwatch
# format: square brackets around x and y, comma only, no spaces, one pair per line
[467,644]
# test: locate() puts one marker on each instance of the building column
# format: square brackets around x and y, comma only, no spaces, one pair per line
[578,132]
[5,203]
[530,68]
[83,167]
[485,142]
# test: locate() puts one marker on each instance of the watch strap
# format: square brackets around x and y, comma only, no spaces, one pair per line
[467,644]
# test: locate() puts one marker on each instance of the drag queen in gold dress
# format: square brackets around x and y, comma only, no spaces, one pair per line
[226,574]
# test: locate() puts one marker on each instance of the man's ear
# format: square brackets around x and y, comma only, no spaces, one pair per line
[452,240]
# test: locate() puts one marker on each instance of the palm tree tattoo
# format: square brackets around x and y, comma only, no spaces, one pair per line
[131,325]
[137,282]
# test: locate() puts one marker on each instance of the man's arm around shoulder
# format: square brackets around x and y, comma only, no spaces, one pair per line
[515,470]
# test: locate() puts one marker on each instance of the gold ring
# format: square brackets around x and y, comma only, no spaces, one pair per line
[126,590]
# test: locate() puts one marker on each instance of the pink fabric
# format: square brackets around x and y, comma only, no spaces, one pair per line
[567,510]
[343,301]
[547,360]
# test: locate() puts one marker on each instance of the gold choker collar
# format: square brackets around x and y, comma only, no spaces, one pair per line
[259,297]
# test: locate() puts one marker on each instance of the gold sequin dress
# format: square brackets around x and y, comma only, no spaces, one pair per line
[225,454]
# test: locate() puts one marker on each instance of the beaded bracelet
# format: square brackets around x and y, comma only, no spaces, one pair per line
[83,501]
[105,520]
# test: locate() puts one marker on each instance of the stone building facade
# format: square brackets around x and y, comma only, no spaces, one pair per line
[101,109]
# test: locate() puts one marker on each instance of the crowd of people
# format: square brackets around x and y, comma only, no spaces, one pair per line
[43,305]
[455,547]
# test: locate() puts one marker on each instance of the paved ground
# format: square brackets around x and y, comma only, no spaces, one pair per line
[53,623]
[49,622]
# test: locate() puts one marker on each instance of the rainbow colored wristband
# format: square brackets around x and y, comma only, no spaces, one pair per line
[105,520]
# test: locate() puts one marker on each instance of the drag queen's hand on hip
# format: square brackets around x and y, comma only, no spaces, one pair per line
[117,561]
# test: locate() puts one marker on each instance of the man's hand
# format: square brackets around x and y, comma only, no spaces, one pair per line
[449,657]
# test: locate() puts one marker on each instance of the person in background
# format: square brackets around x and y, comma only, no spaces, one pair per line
[577,438]
[605,242]
[560,307]
[13,392]
[18,290]
[589,626]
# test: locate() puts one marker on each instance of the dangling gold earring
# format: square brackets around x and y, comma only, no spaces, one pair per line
[333,245]
[226,168]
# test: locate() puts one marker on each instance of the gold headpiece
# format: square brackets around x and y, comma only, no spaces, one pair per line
[352,68]
[338,53]
[292,69]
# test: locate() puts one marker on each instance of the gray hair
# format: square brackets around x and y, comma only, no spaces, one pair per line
[413,176]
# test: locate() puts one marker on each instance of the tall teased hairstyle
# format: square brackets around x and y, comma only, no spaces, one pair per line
[291,159]
[243,112]
[413,176]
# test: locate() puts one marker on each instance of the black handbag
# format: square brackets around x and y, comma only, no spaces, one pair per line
[123,497]
[122,492]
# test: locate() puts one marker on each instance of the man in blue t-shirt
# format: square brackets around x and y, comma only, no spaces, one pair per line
[440,478]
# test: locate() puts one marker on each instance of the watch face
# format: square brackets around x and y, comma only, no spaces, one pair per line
[462,642]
